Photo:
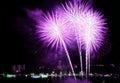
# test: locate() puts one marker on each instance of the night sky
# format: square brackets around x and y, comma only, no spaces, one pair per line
[16,40]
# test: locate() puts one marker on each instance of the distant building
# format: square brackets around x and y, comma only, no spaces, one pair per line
[18,68]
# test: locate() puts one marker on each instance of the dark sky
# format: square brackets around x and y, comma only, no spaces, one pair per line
[13,43]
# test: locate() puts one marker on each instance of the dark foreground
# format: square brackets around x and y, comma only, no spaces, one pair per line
[68,79]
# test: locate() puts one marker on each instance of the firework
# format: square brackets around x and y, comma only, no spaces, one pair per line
[54,32]
[73,11]
[88,26]
[53,27]
[73,19]
[94,26]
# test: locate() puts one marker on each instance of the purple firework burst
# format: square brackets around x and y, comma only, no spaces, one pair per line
[94,30]
[89,24]
[52,28]
[89,27]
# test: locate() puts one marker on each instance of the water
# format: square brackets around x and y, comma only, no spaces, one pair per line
[62,80]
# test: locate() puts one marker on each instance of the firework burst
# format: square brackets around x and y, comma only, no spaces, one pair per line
[93,36]
[53,30]
[94,30]
[89,27]
[74,13]
[73,19]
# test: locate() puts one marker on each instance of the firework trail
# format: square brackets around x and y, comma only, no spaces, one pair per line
[54,32]
[89,28]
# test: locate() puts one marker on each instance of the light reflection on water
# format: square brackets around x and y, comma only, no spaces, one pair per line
[64,80]
[72,80]
[92,80]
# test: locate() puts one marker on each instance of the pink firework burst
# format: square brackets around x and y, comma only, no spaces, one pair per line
[89,25]
[94,30]
[89,28]
[53,28]
[94,26]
